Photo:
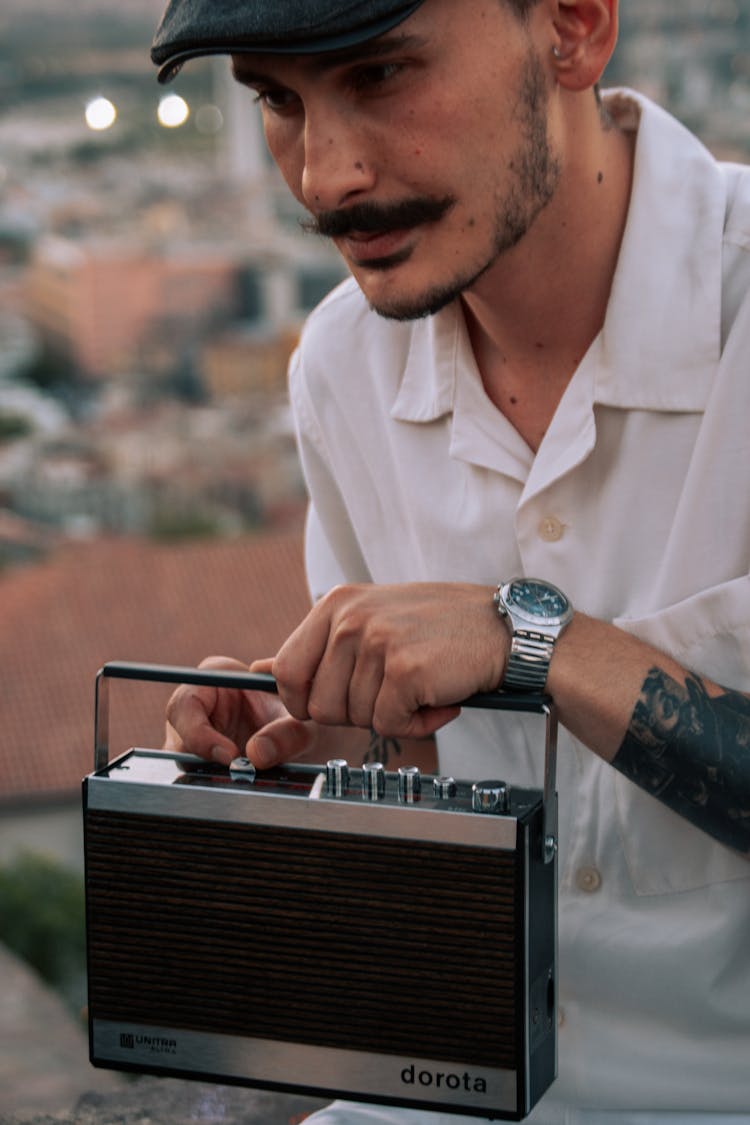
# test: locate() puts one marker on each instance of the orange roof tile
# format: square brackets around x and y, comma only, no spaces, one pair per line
[126,599]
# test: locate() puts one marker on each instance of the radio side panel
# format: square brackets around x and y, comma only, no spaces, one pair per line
[540,902]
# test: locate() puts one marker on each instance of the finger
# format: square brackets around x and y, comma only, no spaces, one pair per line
[420,724]
[401,711]
[189,712]
[341,661]
[265,665]
[188,717]
[296,663]
[223,664]
[328,701]
[283,740]
[172,740]
[364,687]
[428,720]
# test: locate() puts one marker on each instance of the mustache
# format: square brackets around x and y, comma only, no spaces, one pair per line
[377,218]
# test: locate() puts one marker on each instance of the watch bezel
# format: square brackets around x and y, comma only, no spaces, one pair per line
[519,612]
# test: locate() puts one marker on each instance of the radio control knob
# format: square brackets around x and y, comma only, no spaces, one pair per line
[409,784]
[373,781]
[241,769]
[337,776]
[490,797]
[444,787]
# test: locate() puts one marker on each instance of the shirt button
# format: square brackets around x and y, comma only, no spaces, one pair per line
[551,529]
[588,879]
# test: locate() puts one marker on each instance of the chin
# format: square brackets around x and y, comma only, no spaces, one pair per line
[415,308]
[393,304]
[400,288]
[395,301]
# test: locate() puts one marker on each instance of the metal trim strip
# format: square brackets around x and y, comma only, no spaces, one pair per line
[350,1073]
[286,811]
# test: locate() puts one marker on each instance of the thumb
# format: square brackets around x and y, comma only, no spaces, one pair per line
[282,740]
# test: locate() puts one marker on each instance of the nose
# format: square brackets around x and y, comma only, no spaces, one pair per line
[338,164]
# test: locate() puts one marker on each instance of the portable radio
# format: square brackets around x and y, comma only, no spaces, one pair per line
[378,936]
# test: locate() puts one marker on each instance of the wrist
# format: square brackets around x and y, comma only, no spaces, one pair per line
[535,614]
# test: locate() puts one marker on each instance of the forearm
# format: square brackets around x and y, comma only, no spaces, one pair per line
[682,738]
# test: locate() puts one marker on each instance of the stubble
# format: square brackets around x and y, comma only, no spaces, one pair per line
[534,175]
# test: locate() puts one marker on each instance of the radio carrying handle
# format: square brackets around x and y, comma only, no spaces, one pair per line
[260,681]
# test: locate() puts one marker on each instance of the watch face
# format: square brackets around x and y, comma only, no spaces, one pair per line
[537,599]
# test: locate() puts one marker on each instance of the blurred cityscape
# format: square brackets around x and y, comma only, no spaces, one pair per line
[153,277]
[152,283]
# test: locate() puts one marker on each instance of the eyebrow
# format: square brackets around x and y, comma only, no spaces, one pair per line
[244,70]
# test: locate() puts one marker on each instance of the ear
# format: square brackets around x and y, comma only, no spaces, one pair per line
[586,36]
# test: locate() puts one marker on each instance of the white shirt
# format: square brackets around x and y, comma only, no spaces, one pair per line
[636,505]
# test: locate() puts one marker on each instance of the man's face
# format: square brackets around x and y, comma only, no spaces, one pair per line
[424,154]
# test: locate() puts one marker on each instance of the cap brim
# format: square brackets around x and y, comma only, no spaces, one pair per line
[171,61]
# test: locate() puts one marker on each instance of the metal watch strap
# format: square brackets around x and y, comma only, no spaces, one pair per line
[528,661]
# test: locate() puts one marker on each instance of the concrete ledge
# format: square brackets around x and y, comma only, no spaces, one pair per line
[168,1101]
[44,1063]
[46,1077]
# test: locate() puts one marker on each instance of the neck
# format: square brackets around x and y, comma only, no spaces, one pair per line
[533,315]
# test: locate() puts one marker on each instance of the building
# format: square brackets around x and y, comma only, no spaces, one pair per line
[247,359]
[693,58]
[101,302]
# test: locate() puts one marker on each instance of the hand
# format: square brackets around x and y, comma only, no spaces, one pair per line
[395,658]
[224,723]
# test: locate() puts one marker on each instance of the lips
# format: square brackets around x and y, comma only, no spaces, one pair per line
[363,246]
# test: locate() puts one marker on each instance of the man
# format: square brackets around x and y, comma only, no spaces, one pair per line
[539,368]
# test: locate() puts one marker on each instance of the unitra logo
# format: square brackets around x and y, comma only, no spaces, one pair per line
[154,1044]
[472,1084]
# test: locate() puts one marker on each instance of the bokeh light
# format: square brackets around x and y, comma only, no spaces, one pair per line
[100,114]
[209,119]
[173,111]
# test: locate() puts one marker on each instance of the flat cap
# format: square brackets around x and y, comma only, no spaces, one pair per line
[190,28]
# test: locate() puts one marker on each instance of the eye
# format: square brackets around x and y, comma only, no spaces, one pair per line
[277,100]
[374,74]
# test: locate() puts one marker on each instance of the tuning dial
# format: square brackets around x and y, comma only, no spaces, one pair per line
[337,776]
[241,769]
[409,784]
[373,781]
[444,787]
[490,797]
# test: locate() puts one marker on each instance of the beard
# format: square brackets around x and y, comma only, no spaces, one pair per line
[535,173]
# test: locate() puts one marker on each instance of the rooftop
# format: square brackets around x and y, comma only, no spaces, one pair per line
[126,599]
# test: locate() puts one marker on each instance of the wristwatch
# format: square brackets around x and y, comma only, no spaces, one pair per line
[536,613]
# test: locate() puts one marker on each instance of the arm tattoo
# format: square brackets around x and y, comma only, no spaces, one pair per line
[692,752]
[381,748]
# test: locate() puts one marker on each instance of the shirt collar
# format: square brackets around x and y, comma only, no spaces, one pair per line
[428,385]
[662,330]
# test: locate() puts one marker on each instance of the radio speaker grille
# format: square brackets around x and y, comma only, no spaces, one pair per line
[400,947]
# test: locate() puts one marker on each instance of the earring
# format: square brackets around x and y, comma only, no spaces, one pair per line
[557,53]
